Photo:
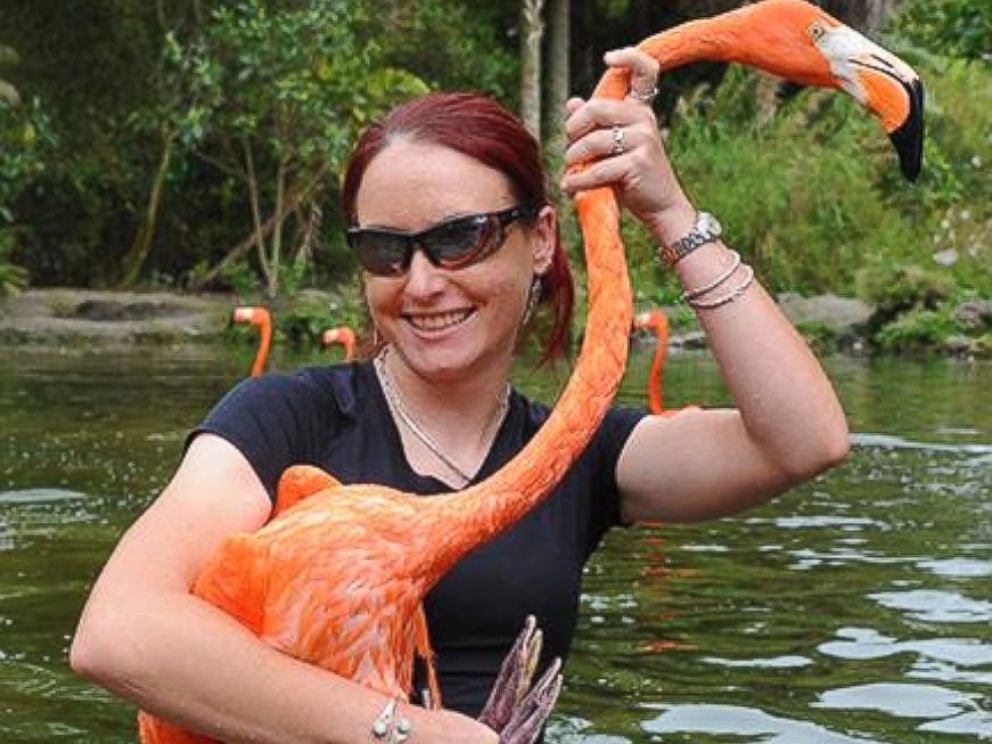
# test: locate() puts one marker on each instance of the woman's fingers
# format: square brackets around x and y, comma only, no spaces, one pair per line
[607,172]
[602,112]
[643,68]
[604,142]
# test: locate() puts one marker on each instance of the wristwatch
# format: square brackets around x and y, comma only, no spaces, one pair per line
[706,230]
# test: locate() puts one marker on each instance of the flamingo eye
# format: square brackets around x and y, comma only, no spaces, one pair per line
[817,31]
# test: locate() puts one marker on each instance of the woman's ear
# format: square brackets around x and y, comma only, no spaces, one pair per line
[545,237]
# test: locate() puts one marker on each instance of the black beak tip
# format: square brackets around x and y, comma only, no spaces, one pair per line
[908,139]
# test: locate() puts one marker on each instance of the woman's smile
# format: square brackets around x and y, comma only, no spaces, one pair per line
[438,322]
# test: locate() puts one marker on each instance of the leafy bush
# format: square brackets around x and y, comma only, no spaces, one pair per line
[918,329]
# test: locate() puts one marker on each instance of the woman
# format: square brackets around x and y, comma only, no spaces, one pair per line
[455,232]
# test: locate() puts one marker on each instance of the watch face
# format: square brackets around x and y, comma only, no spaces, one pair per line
[709,225]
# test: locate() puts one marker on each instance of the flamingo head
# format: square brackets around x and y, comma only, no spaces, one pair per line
[249,314]
[652,319]
[799,41]
[340,335]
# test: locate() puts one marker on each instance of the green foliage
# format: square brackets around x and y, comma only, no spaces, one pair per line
[312,312]
[274,97]
[895,289]
[13,278]
[960,28]
[918,329]
[456,44]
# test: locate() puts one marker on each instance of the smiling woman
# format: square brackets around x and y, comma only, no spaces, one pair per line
[453,225]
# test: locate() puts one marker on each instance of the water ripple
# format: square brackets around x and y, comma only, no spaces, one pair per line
[937,606]
[900,700]
[739,721]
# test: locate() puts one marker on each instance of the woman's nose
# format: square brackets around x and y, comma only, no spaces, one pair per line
[423,279]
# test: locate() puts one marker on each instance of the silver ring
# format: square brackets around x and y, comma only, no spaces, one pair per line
[644,97]
[619,141]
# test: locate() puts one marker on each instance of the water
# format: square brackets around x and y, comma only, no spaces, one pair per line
[854,610]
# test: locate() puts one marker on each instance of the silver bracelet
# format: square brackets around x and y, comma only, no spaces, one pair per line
[390,729]
[729,297]
[688,296]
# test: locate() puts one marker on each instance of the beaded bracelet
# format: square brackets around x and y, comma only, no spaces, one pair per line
[388,730]
[729,297]
[687,296]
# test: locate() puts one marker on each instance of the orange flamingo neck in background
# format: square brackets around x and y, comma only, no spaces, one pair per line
[262,319]
[657,321]
[341,335]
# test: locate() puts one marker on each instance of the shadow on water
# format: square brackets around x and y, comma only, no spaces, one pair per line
[856,609]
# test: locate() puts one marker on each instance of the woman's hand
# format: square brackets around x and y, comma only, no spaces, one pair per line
[621,146]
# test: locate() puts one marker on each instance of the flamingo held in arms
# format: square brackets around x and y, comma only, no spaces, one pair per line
[262,318]
[657,321]
[341,335]
[338,578]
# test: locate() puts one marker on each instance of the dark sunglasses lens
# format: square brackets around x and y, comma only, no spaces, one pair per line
[459,242]
[379,253]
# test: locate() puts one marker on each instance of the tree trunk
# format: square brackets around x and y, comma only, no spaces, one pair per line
[531,32]
[134,259]
[559,26]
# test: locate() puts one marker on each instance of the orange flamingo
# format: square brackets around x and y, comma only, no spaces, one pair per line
[803,43]
[341,335]
[657,321]
[262,318]
[338,578]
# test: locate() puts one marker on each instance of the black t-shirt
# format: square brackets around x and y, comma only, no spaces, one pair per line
[337,418]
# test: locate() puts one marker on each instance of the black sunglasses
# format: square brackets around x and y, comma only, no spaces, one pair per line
[452,244]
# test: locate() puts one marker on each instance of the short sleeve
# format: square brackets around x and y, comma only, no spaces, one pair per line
[270,419]
[604,450]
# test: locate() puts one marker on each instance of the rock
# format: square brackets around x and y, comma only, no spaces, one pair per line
[840,314]
[975,315]
[85,316]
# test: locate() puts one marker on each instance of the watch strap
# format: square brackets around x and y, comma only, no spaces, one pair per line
[695,238]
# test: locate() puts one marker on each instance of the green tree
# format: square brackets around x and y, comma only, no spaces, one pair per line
[274,97]
[957,28]
[26,141]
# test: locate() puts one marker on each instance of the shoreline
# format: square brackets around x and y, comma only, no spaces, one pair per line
[99,319]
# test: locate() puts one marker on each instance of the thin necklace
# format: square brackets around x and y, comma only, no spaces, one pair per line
[396,403]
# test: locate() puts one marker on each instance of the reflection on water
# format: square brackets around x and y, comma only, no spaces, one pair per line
[854,610]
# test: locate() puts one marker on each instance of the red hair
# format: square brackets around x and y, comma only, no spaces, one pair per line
[482,129]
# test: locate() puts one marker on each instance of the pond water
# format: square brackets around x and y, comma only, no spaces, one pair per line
[854,610]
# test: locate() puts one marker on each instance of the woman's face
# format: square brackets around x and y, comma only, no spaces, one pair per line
[446,324]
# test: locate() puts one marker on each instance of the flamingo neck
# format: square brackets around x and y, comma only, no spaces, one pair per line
[704,39]
[464,520]
[262,357]
[654,379]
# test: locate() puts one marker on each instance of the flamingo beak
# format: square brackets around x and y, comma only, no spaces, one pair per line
[907,134]
[908,138]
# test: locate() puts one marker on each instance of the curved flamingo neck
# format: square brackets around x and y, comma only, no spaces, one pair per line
[655,403]
[466,519]
[264,323]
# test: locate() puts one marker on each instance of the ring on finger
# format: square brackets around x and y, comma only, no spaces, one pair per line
[619,141]
[646,97]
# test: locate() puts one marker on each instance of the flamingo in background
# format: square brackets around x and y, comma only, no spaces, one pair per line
[657,321]
[341,335]
[261,318]
[338,578]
